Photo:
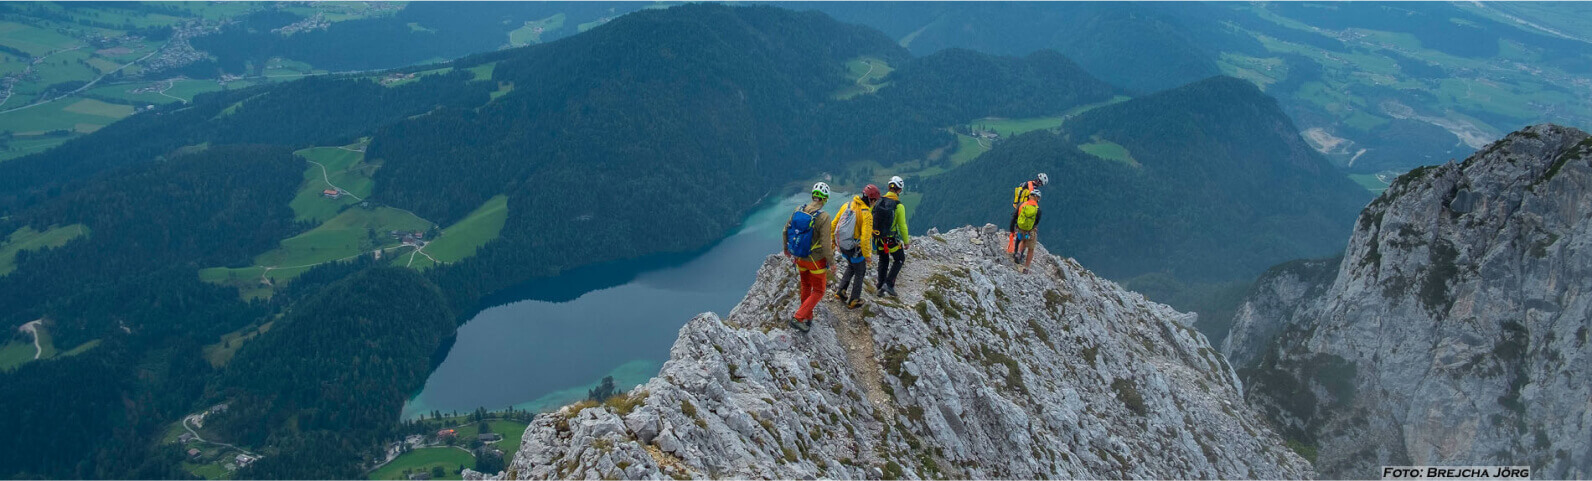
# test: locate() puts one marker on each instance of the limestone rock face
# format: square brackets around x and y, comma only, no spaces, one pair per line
[1274,303]
[976,371]
[1454,331]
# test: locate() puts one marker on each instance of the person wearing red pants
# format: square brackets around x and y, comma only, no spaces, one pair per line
[807,238]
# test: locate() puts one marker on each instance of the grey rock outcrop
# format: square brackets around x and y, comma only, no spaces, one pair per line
[1454,332]
[976,371]
[1278,297]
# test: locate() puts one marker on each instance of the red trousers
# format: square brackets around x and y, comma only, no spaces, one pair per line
[814,278]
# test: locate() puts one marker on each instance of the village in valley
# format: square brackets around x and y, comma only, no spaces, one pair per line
[204,457]
[441,445]
[435,446]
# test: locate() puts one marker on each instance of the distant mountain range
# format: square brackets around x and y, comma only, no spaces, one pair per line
[1380,86]
[197,239]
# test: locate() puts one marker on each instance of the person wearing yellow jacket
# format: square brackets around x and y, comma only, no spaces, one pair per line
[1019,197]
[1027,224]
[890,238]
[853,231]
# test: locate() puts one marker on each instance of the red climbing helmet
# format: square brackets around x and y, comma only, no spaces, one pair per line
[872,191]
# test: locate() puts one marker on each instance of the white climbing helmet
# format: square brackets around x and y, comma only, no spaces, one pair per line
[821,190]
[1044,179]
[1035,193]
[897,183]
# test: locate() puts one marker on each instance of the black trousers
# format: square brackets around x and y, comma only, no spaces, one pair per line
[854,271]
[889,265]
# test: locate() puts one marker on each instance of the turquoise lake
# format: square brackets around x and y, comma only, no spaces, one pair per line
[545,343]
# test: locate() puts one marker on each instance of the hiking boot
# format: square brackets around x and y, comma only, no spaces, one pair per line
[891,290]
[801,325]
[840,296]
[855,303]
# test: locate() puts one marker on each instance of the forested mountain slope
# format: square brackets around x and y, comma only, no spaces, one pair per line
[1380,87]
[653,133]
[1212,183]
[1141,48]
[717,106]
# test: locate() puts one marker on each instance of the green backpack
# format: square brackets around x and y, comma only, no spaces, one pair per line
[1027,215]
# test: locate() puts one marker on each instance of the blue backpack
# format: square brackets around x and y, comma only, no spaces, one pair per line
[799,233]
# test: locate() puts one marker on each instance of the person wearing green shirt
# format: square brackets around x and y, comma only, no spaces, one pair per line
[890,238]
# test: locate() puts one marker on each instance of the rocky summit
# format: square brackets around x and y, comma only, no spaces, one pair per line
[1453,331]
[975,371]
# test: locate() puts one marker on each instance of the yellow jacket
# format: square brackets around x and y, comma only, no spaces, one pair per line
[1020,194]
[864,229]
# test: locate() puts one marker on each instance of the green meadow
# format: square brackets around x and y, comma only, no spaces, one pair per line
[28,239]
[527,34]
[1109,150]
[353,232]
[463,238]
[345,168]
[423,459]
[866,75]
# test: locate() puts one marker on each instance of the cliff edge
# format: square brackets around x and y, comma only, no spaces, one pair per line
[1454,329]
[976,371]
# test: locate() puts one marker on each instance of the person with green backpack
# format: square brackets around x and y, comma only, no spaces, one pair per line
[853,228]
[1027,234]
[808,236]
[1019,196]
[890,238]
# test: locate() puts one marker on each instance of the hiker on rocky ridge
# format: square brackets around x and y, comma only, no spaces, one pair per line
[890,239]
[853,231]
[1020,195]
[1027,233]
[808,239]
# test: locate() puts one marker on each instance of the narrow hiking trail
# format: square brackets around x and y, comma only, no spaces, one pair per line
[169,84]
[420,250]
[863,80]
[325,177]
[33,328]
[856,338]
[201,439]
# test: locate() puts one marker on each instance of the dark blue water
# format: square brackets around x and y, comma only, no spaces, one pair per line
[552,339]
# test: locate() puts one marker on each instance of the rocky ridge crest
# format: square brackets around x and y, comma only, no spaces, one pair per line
[976,371]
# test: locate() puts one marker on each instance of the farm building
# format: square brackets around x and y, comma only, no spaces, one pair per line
[244,460]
